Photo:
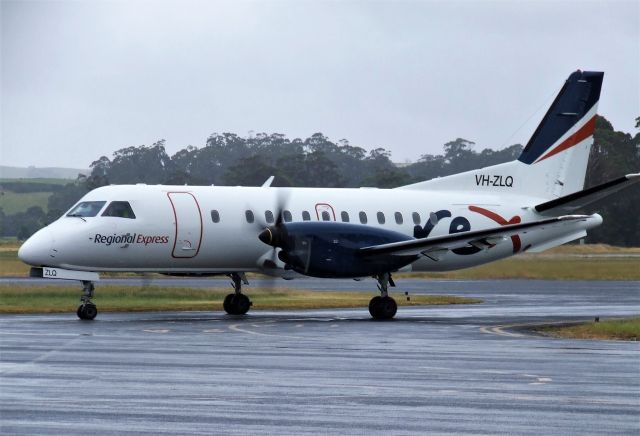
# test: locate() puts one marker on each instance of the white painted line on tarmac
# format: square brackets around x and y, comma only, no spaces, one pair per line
[501,330]
[237,328]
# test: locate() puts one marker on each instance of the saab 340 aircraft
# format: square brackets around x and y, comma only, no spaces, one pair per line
[443,224]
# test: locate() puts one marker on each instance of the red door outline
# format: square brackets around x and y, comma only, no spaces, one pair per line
[320,209]
[175,217]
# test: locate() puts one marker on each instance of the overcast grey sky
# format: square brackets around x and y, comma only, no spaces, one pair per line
[81,79]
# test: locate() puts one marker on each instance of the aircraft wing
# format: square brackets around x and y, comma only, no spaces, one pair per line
[572,202]
[434,247]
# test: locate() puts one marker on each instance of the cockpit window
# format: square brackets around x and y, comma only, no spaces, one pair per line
[120,209]
[86,209]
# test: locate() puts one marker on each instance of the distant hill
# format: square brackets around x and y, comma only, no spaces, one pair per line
[41,173]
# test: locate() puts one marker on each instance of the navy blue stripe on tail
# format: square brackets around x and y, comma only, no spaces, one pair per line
[579,94]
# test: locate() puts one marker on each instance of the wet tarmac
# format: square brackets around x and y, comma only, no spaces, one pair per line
[465,369]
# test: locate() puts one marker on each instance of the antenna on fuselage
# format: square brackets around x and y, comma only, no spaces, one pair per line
[267,183]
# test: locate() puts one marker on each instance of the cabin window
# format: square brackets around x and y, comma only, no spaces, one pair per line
[345,216]
[87,209]
[416,218]
[380,216]
[268,215]
[249,216]
[286,215]
[363,217]
[306,216]
[398,217]
[215,216]
[326,216]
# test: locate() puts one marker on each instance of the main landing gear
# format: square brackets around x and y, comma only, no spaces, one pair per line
[87,311]
[237,303]
[383,307]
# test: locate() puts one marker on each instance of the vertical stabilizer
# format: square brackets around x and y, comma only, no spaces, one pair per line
[570,119]
[554,161]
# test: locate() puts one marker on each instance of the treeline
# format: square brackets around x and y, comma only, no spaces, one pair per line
[229,159]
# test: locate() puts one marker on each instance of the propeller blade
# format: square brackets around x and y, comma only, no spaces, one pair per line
[282,198]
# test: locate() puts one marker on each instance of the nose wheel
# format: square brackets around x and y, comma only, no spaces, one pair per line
[383,307]
[87,311]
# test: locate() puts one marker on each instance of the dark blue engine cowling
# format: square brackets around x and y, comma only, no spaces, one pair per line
[330,249]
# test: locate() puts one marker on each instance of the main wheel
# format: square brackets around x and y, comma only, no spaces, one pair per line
[374,307]
[383,308]
[236,304]
[242,304]
[87,311]
[228,305]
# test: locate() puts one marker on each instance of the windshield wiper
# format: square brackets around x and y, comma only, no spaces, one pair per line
[77,215]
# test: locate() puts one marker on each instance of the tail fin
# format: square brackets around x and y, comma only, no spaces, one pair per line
[570,120]
[554,161]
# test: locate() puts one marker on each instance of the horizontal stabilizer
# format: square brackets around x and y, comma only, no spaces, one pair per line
[488,237]
[572,202]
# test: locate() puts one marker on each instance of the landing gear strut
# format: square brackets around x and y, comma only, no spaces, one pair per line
[237,303]
[87,311]
[383,307]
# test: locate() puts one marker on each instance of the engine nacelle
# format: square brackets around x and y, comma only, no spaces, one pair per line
[330,249]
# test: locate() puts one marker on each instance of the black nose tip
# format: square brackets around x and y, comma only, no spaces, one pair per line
[266,236]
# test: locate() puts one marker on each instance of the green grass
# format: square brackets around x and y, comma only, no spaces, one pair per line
[617,329]
[10,265]
[550,268]
[12,202]
[48,299]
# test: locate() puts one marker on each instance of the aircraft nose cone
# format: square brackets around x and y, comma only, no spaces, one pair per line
[35,250]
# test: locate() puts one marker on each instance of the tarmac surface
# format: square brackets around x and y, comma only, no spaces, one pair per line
[469,369]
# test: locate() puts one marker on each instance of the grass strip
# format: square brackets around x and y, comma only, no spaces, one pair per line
[541,268]
[615,329]
[117,298]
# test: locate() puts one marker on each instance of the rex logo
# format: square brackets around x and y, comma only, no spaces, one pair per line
[461,224]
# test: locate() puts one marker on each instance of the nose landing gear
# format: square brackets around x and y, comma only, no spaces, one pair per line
[87,311]
[383,307]
[237,303]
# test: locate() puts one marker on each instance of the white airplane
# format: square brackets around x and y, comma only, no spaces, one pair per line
[443,224]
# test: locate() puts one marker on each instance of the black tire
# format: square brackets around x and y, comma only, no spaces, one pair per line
[382,308]
[228,305]
[374,307]
[388,307]
[243,304]
[236,304]
[89,311]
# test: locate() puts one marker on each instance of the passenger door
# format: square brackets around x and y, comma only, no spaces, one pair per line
[325,212]
[188,224]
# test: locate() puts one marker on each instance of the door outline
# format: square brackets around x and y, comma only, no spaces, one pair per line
[320,209]
[175,217]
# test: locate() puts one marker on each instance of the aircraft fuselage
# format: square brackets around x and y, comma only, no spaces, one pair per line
[211,229]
